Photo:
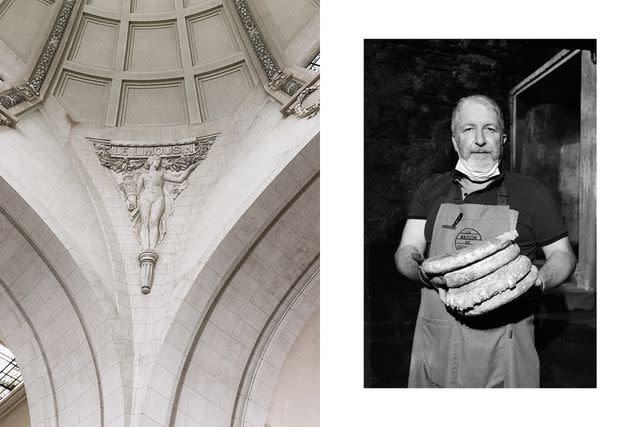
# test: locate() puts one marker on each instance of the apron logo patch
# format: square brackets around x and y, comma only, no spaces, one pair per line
[467,237]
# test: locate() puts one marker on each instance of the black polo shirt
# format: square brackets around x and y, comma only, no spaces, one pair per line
[539,221]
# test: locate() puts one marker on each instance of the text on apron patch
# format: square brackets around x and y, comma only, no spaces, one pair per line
[466,237]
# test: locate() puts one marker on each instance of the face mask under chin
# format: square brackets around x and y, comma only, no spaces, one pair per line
[478,174]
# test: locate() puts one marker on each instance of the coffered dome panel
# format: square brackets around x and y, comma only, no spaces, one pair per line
[287,21]
[220,92]
[85,96]
[188,3]
[153,46]
[114,5]
[95,42]
[153,103]
[210,36]
[21,22]
[144,6]
[167,62]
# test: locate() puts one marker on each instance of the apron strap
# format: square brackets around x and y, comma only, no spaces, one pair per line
[502,193]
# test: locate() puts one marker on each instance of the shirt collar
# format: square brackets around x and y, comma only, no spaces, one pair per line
[456,175]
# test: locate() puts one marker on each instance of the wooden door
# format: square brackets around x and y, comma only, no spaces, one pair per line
[553,137]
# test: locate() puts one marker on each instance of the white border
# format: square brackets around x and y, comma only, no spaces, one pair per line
[344,401]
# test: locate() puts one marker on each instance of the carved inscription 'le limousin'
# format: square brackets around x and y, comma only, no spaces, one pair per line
[144,152]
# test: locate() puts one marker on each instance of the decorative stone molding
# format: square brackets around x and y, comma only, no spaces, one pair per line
[304,105]
[291,86]
[149,177]
[277,78]
[309,111]
[147,260]
[11,97]
[31,89]
[28,91]
[6,118]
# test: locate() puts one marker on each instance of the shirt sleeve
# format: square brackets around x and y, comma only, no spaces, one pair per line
[419,208]
[548,225]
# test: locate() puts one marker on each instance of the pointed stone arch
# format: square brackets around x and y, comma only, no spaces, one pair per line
[237,298]
[56,322]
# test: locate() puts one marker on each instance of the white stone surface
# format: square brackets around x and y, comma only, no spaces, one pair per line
[23,24]
[93,350]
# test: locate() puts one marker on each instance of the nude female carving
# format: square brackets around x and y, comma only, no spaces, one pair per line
[148,204]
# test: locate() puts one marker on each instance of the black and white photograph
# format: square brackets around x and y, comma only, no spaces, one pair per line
[480,213]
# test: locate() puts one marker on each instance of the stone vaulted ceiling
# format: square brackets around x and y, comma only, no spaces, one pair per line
[237,273]
[155,62]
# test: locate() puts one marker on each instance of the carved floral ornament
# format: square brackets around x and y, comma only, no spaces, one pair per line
[6,118]
[301,108]
[149,178]
[278,80]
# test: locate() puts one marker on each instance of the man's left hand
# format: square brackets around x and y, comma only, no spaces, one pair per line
[559,265]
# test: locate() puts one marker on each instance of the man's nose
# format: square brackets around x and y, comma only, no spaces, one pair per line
[479,138]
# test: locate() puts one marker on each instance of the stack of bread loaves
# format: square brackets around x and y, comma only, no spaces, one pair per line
[481,277]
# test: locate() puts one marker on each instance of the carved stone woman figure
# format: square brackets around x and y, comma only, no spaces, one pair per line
[153,196]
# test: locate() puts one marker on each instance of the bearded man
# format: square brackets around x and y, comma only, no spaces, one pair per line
[478,201]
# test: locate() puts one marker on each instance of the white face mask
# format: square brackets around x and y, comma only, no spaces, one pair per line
[478,175]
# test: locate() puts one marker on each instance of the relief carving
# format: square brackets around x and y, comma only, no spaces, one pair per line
[277,79]
[6,118]
[150,201]
[301,107]
[149,178]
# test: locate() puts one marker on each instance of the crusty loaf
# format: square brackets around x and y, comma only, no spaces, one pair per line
[505,296]
[477,270]
[439,265]
[465,297]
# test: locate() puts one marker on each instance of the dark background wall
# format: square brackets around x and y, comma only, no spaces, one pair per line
[410,89]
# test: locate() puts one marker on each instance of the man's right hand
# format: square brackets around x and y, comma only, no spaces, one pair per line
[418,258]
[408,257]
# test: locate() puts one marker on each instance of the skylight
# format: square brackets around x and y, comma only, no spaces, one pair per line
[314,65]
[10,375]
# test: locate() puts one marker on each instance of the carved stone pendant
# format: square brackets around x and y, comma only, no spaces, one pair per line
[149,177]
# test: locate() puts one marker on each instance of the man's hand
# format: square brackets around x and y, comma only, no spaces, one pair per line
[559,265]
[412,244]
[419,259]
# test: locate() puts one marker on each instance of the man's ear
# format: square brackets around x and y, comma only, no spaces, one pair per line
[504,139]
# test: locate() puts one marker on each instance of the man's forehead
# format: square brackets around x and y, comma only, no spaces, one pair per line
[473,109]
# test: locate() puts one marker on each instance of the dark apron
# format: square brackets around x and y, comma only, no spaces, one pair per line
[447,352]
